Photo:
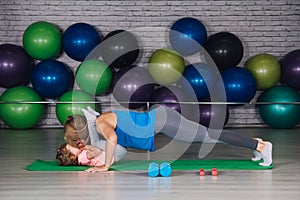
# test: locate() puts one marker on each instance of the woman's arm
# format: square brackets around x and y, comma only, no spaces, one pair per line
[105,125]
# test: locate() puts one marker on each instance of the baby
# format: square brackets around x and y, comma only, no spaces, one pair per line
[89,155]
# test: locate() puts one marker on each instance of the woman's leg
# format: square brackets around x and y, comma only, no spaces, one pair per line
[174,125]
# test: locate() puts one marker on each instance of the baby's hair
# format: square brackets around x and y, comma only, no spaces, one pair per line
[64,157]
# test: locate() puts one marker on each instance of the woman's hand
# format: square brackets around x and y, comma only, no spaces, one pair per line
[103,168]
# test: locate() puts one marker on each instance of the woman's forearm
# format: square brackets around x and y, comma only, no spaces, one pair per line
[110,148]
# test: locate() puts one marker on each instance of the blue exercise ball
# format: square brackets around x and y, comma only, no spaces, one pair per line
[79,40]
[51,78]
[187,35]
[239,83]
[198,77]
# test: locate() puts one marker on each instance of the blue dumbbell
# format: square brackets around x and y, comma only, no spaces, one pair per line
[165,169]
[153,169]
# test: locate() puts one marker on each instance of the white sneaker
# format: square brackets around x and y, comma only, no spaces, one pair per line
[267,154]
[257,156]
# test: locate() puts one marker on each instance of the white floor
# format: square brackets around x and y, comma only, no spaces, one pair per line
[20,148]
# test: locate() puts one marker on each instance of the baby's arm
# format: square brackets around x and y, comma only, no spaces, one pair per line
[92,151]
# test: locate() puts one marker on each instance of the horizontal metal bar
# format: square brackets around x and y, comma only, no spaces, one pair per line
[146,102]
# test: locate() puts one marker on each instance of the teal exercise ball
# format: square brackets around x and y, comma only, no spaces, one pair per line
[278,115]
[42,40]
[71,103]
[166,66]
[21,115]
[94,76]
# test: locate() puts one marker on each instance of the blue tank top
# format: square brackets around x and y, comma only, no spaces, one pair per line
[136,129]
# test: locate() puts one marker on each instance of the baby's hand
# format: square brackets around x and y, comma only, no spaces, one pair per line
[103,168]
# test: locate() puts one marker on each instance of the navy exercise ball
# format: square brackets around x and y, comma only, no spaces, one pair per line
[51,78]
[79,40]
[15,66]
[239,83]
[290,69]
[225,48]
[187,35]
[200,77]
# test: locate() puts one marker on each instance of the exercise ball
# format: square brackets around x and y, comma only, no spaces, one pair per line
[132,85]
[207,113]
[187,35]
[15,66]
[225,48]
[173,97]
[21,115]
[278,115]
[94,76]
[42,40]
[79,40]
[239,83]
[198,77]
[74,100]
[290,69]
[266,70]
[120,48]
[166,66]
[51,78]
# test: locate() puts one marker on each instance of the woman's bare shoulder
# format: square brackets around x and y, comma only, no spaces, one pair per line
[108,117]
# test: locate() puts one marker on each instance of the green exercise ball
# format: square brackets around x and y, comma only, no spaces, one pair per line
[166,66]
[21,115]
[42,40]
[63,110]
[94,76]
[280,115]
[266,70]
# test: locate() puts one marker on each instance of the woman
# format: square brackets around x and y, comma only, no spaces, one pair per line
[80,131]
[137,129]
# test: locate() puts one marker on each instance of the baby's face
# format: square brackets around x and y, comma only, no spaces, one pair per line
[73,150]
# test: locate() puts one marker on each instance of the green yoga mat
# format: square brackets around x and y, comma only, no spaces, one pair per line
[130,165]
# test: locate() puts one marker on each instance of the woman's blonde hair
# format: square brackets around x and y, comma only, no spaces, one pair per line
[76,129]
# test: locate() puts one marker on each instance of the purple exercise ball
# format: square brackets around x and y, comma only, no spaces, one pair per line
[207,114]
[15,66]
[166,97]
[132,84]
[176,99]
[290,69]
